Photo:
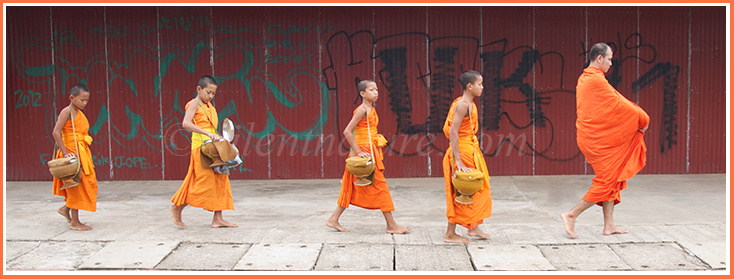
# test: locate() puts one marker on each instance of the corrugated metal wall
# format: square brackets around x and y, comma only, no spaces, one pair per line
[287,79]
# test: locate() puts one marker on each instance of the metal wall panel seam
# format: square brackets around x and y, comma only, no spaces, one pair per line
[160,95]
[428,86]
[267,95]
[535,46]
[637,61]
[321,104]
[688,91]
[211,39]
[107,84]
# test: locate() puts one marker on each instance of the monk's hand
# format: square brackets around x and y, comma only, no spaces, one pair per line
[644,129]
[215,137]
[363,154]
[70,155]
[460,167]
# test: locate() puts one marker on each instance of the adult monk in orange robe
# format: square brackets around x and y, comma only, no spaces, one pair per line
[376,195]
[461,127]
[609,130]
[70,140]
[203,187]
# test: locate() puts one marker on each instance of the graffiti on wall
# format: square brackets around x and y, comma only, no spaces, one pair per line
[445,69]
[522,86]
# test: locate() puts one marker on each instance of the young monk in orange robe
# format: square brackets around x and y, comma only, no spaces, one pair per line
[609,133]
[84,195]
[202,187]
[461,127]
[377,195]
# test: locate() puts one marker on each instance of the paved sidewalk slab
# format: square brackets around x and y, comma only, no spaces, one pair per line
[508,258]
[432,258]
[28,229]
[130,255]
[14,249]
[422,235]
[712,253]
[280,256]
[656,256]
[685,210]
[596,257]
[56,256]
[102,232]
[204,256]
[356,257]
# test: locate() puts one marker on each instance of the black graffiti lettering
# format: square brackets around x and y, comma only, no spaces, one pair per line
[493,89]
[442,85]
[669,72]
[394,76]
[534,104]
[529,58]
[669,131]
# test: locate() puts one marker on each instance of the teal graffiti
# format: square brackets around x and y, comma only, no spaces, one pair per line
[28,98]
[100,160]
[101,119]
[131,162]
[283,91]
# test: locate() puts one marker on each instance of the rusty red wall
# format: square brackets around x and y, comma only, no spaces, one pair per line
[287,79]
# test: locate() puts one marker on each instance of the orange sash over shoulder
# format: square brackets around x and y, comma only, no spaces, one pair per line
[467,215]
[607,132]
[84,195]
[377,195]
[202,187]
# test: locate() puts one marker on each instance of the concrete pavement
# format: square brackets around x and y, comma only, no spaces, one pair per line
[676,223]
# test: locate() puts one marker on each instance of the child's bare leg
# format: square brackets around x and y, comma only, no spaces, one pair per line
[609,227]
[478,233]
[333,221]
[64,211]
[569,218]
[75,223]
[392,226]
[218,221]
[452,237]
[176,214]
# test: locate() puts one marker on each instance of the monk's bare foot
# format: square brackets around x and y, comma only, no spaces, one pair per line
[569,223]
[478,233]
[223,224]
[398,229]
[455,239]
[335,225]
[176,215]
[614,230]
[64,211]
[79,227]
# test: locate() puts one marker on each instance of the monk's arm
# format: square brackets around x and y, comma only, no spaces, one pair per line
[462,109]
[189,125]
[63,116]
[353,125]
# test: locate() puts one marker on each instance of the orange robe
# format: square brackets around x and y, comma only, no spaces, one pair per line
[202,187]
[607,132]
[84,195]
[377,195]
[467,215]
